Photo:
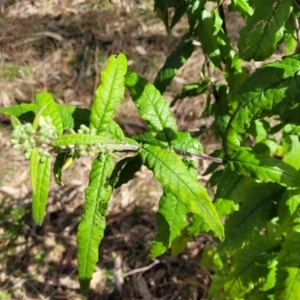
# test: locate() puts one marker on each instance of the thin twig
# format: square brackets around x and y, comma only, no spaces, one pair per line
[296,25]
[96,67]
[141,270]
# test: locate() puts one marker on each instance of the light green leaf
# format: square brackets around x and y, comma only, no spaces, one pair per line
[34,163]
[152,107]
[174,62]
[110,92]
[18,110]
[242,7]
[291,148]
[288,271]
[270,90]
[264,167]
[92,225]
[289,206]
[83,139]
[176,180]
[264,29]
[40,195]
[46,102]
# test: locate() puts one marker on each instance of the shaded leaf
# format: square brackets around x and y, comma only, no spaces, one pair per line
[173,63]
[264,29]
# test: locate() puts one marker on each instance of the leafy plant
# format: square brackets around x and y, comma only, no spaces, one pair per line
[257,118]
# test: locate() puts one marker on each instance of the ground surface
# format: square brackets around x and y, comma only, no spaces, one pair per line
[61,47]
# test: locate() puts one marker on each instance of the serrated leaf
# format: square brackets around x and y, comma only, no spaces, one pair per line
[80,139]
[206,32]
[44,100]
[185,143]
[247,272]
[264,29]
[288,271]
[270,90]
[110,92]
[152,107]
[176,180]
[91,228]
[264,167]
[170,220]
[244,225]
[40,195]
[174,62]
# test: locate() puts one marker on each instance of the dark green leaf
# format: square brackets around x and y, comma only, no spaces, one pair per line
[264,29]
[174,61]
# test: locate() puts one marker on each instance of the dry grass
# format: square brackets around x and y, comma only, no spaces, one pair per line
[61,46]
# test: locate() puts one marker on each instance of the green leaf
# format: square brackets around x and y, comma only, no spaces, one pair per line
[177,181]
[270,90]
[289,206]
[291,148]
[15,121]
[264,167]
[245,225]
[18,110]
[288,270]
[185,143]
[92,225]
[242,7]
[250,268]
[80,139]
[206,32]
[132,166]
[170,220]
[34,163]
[45,100]
[192,90]
[110,92]
[174,62]
[40,195]
[59,163]
[264,29]
[152,107]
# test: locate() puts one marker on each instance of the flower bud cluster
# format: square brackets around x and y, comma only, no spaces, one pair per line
[25,137]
